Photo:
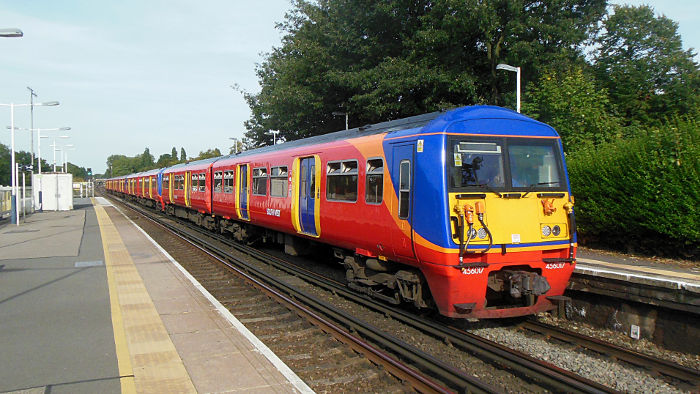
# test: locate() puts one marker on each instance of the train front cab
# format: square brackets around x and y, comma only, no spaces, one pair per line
[507,247]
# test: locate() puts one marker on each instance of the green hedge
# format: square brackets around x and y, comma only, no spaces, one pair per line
[642,193]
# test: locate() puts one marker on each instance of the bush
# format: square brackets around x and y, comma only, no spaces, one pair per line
[641,194]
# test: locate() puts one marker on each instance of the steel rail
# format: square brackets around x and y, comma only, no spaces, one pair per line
[654,364]
[444,372]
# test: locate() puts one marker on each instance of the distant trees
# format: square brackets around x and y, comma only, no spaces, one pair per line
[123,165]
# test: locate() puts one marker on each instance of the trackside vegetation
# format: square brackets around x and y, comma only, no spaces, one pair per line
[642,193]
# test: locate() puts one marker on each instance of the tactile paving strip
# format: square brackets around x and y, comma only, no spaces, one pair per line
[148,360]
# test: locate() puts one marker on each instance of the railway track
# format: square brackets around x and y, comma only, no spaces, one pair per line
[545,375]
[688,377]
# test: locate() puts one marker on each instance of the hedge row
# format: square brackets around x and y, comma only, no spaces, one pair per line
[641,194]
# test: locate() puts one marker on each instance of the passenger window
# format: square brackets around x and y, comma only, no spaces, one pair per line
[278,181]
[218,181]
[374,186]
[166,182]
[260,181]
[404,189]
[341,181]
[202,182]
[228,182]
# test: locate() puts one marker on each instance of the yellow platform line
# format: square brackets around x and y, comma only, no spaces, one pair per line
[147,359]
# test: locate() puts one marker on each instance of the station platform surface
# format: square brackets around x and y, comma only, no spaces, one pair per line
[638,270]
[89,303]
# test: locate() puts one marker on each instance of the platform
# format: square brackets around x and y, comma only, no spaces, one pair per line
[88,303]
[638,279]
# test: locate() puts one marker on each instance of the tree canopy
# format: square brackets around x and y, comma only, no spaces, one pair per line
[640,60]
[384,60]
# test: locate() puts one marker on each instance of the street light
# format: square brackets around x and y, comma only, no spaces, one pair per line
[235,144]
[64,153]
[39,136]
[274,136]
[517,71]
[14,210]
[11,32]
[338,113]
[54,150]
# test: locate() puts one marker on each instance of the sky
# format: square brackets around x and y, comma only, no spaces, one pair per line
[132,74]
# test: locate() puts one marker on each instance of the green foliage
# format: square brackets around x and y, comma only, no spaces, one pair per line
[118,165]
[570,101]
[208,154]
[641,62]
[641,193]
[385,60]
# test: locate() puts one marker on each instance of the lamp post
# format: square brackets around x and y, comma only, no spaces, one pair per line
[54,150]
[517,71]
[235,144]
[14,210]
[39,137]
[64,151]
[338,113]
[274,136]
[31,120]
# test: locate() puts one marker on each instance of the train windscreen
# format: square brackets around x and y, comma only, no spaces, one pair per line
[504,164]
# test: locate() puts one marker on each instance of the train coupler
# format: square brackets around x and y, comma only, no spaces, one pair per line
[519,285]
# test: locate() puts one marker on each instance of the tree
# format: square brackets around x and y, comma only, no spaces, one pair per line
[174,154]
[165,160]
[385,60]
[183,155]
[147,160]
[641,62]
[208,154]
[570,101]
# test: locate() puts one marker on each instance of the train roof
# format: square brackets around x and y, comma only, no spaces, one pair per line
[479,119]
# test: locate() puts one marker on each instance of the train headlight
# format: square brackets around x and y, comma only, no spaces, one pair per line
[546,231]
[471,234]
[556,230]
[481,233]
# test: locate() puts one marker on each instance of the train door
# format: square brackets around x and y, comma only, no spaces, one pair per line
[309,194]
[243,188]
[171,181]
[402,170]
[188,187]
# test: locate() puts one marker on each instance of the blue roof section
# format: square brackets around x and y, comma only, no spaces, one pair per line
[488,120]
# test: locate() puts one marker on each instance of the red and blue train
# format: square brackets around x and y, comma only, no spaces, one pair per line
[467,211]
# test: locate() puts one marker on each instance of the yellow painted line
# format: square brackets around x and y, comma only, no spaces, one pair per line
[126,372]
[647,270]
[148,361]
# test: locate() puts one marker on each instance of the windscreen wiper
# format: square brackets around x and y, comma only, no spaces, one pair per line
[530,188]
[489,188]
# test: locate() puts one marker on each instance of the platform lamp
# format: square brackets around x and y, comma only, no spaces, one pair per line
[39,136]
[11,32]
[517,88]
[14,210]
[64,153]
[55,149]
[274,136]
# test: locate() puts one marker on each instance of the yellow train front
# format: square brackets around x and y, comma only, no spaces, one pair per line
[492,221]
